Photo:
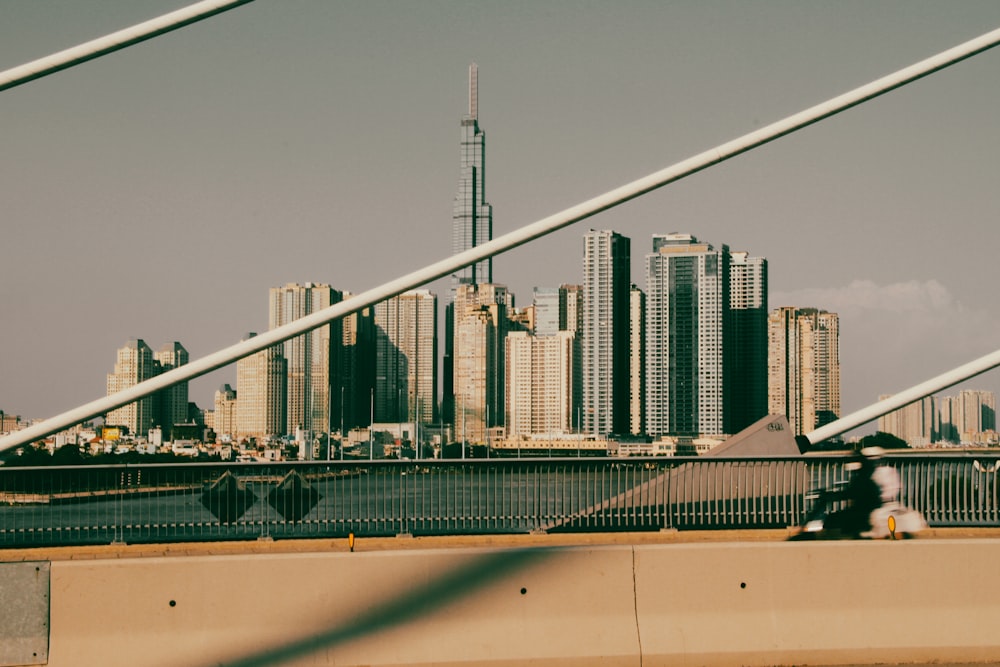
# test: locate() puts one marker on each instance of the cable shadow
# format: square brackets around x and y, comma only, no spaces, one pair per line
[452,586]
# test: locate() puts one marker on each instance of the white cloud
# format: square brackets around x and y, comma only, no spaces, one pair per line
[864,295]
[898,335]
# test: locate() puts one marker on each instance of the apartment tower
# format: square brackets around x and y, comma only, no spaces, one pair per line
[481,324]
[605,340]
[171,403]
[803,367]
[134,364]
[746,342]
[687,301]
[637,361]
[312,358]
[406,358]
[540,377]
[261,393]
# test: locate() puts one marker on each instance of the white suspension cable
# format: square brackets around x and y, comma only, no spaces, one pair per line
[115,41]
[904,398]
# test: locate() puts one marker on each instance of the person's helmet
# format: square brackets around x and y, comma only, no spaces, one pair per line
[875,452]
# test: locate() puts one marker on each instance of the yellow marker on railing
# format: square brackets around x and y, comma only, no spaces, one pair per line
[350,539]
[892,526]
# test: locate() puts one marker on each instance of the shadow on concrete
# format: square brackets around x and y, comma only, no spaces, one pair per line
[452,586]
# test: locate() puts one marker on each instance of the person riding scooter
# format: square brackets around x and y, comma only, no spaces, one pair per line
[870,487]
[873,509]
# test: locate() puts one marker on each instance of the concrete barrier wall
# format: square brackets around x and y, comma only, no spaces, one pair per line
[672,604]
[840,603]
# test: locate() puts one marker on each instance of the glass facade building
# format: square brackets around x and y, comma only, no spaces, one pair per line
[605,340]
[472,217]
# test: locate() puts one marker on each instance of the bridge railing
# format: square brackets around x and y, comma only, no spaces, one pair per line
[74,505]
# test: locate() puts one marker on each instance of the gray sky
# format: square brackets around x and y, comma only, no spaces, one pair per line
[158,192]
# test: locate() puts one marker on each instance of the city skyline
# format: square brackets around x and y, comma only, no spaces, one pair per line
[869,194]
[802,363]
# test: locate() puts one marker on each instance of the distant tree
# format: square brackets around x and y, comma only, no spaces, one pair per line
[28,456]
[835,444]
[883,440]
[67,455]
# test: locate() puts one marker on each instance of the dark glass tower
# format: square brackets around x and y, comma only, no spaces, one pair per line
[606,284]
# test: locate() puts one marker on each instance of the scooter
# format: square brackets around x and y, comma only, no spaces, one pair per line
[892,519]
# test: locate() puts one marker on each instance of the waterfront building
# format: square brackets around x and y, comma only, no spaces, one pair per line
[746,342]
[965,417]
[472,225]
[481,324]
[224,416]
[9,423]
[915,423]
[637,361]
[605,339]
[134,364]
[803,367]
[261,393]
[705,343]
[475,375]
[406,358]
[171,404]
[687,299]
[357,369]
[540,379]
[312,359]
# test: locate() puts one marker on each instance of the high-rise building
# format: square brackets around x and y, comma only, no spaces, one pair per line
[964,417]
[472,217]
[134,364]
[687,299]
[546,316]
[406,358]
[915,423]
[706,342]
[481,310]
[746,342]
[357,369]
[312,358]
[571,319]
[571,309]
[540,377]
[803,367]
[261,393]
[476,380]
[171,403]
[605,339]
[472,225]
[224,418]
[637,360]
